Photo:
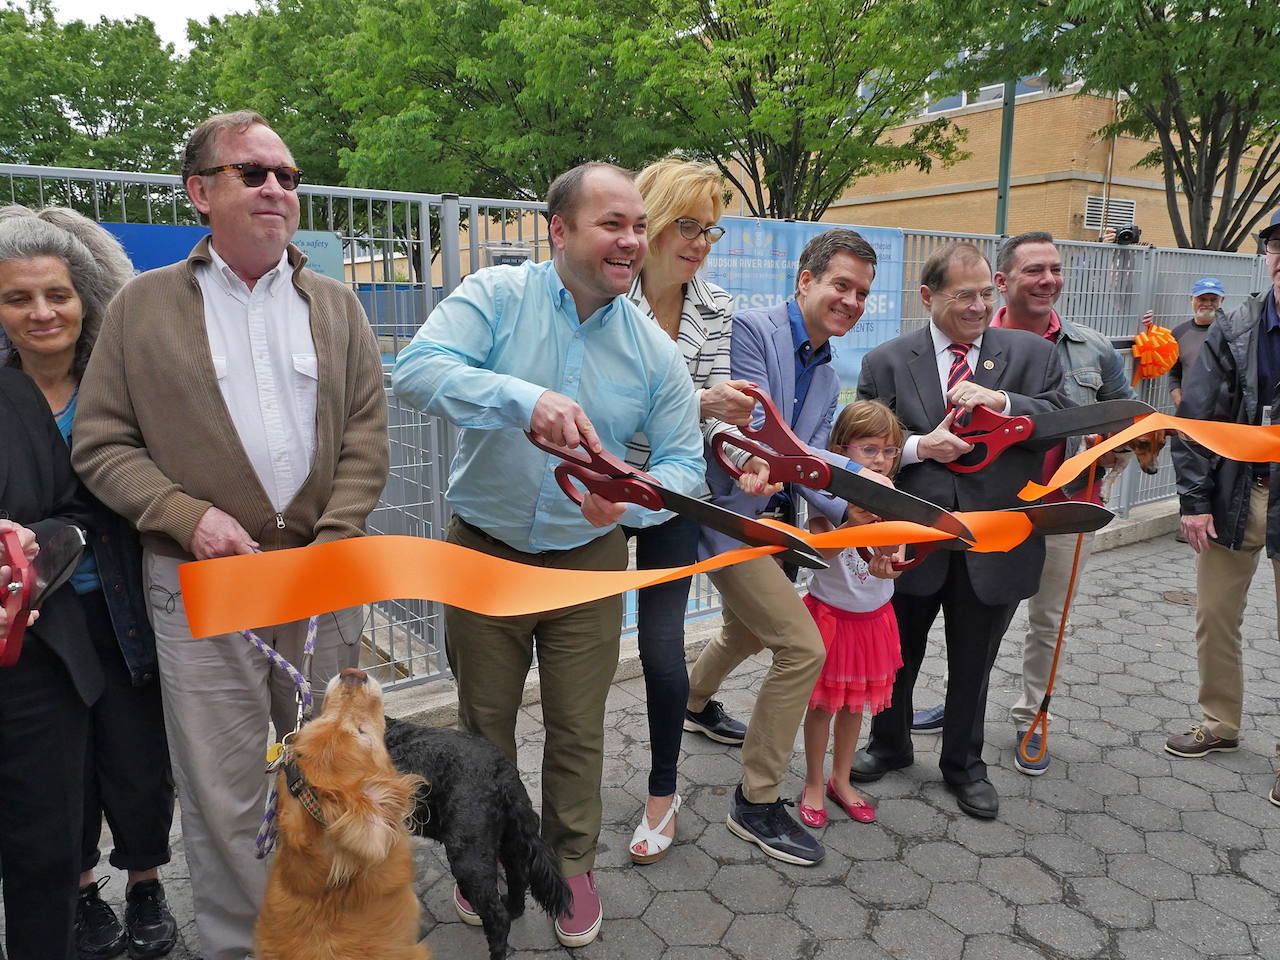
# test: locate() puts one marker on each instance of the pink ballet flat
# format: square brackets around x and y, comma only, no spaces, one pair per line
[812,816]
[863,813]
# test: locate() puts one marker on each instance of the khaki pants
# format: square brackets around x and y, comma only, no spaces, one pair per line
[1222,587]
[1044,619]
[762,610]
[577,651]
[219,694]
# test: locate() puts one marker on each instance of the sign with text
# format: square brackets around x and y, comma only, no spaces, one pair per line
[152,245]
[757,261]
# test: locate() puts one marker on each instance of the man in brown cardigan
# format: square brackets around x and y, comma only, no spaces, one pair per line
[234,402]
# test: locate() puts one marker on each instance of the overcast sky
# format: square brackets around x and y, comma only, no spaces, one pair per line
[169,17]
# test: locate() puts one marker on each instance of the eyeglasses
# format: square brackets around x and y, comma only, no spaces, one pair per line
[967,298]
[1272,244]
[255,174]
[689,229]
[871,451]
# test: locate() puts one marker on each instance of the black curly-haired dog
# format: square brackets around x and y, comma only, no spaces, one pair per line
[475,804]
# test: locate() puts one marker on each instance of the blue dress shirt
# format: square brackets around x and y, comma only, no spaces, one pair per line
[807,359]
[485,356]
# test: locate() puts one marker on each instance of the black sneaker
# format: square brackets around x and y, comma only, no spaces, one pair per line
[151,927]
[715,723]
[99,934]
[773,830]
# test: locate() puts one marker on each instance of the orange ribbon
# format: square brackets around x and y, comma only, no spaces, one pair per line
[1235,441]
[247,592]
[239,593]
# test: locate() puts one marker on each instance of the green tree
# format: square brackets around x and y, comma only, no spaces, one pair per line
[99,95]
[487,97]
[792,98]
[1195,77]
[279,61]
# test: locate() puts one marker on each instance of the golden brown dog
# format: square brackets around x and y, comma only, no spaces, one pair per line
[342,882]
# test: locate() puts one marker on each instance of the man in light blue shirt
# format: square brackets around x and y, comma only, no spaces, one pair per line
[556,348]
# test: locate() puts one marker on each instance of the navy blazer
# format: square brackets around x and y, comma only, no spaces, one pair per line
[39,490]
[762,351]
[904,374]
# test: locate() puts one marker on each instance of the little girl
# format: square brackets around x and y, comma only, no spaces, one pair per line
[851,604]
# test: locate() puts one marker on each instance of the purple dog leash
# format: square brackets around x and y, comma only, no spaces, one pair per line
[266,839]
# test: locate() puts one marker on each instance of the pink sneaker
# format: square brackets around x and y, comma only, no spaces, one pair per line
[465,913]
[581,924]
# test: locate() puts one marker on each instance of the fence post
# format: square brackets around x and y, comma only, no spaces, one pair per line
[473,235]
[450,252]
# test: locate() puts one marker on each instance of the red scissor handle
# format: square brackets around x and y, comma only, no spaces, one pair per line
[613,489]
[603,463]
[789,459]
[16,596]
[991,434]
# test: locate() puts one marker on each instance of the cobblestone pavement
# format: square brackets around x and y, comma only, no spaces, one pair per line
[1119,850]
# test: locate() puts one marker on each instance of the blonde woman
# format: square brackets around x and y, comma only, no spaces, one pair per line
[684,201]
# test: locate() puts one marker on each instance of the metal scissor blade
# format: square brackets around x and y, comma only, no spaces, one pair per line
[1105,416]
[57,561]
[889,503]
[751,532]
[1072,516]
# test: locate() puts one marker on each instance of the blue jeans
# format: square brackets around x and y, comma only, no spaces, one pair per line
[660,614]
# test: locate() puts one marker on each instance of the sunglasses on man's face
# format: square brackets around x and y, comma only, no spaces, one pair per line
[255,174]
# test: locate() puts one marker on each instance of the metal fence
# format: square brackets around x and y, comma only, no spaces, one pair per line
[406,251]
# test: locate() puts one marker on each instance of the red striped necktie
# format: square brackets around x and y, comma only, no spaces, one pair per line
[960,371]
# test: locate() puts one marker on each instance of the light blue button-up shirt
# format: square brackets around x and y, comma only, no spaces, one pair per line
[485,356]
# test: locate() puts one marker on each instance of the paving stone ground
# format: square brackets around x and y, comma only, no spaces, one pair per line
[1118,851]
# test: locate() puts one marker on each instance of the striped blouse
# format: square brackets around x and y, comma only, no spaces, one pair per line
[706,319]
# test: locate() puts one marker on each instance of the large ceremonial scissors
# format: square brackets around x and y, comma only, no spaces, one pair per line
[606,476]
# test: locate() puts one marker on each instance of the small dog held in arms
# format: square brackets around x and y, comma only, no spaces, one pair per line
[1146,449]
[342,881]
[477,807]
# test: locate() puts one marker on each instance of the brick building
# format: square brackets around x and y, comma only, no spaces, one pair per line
[1058,174]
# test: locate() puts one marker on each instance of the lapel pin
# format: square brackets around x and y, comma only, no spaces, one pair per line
[988,364]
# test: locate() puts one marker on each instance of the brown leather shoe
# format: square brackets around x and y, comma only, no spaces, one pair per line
[1274,796]
[1198,742]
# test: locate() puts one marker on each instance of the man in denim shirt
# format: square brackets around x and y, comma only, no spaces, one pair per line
[1029,276]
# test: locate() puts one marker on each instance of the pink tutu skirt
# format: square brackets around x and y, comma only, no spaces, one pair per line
[863,657]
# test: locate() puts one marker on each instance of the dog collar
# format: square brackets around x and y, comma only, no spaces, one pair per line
[299,788]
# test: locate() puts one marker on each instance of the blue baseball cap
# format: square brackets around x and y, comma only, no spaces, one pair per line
[1270,228]
[1208,285]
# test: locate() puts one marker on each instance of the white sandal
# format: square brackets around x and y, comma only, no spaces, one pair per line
[653,838]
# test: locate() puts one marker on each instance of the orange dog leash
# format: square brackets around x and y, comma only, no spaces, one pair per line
[1041,718]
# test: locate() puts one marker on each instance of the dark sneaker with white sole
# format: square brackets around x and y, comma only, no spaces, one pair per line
[1032,768]
[148,922]
[773,830]
[712,721]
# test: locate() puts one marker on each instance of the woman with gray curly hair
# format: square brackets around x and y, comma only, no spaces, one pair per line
[58,271]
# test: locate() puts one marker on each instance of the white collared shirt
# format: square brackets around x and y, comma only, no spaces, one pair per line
[265,359]
[944,357]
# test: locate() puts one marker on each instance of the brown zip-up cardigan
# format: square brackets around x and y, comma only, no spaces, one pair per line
[154,440]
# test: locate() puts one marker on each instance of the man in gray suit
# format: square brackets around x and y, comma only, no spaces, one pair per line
[958,362]
[786,350]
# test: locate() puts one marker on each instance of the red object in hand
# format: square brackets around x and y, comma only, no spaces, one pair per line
[15,595]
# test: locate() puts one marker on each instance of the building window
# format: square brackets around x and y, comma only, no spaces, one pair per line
[1119,212]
